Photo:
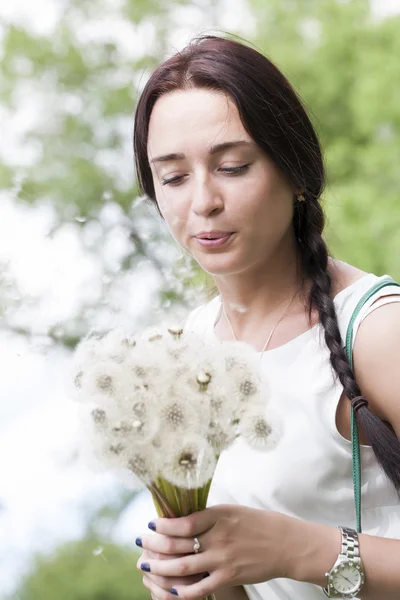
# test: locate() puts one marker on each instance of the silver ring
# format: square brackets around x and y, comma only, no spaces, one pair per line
[196,545]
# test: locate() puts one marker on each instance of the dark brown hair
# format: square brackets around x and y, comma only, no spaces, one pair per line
[275,118]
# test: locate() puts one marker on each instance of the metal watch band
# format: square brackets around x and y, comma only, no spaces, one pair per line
[350,544]
[350,551]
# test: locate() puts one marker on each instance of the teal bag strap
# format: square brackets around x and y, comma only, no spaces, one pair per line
[355,443]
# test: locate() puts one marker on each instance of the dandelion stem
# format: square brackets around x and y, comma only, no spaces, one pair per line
[169,492]
[162,501]
[183,502]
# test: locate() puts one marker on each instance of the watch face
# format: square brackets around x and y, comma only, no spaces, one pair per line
[347,579]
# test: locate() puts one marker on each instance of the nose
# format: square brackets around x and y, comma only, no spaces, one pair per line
[206,198]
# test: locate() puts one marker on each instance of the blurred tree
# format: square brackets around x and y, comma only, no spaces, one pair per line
[67,96]
[92,568]
[88,569]
[344,63]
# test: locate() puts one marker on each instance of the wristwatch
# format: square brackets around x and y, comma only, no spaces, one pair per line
[346,577]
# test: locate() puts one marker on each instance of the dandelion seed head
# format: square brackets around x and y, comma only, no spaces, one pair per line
[191,465]
[128,342]
[96,335]
[147,392]
[118,358]
[203,379]
[142,465]
[78,380]
[217,404]
[105,383]
[99,416]
[139,371]
[220,438]
[174,415]
[122,427]
[260,432]
[102,384]
[116,449]
[176,332]
[156,337]
[248,388]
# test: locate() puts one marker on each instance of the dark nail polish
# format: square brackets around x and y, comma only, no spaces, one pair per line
[173,591]
[145,567]
[138,542]
[152,526]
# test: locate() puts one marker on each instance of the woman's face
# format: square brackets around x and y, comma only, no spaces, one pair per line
[212,181]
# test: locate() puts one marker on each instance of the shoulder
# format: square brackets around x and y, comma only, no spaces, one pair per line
[377,360]
[343,275]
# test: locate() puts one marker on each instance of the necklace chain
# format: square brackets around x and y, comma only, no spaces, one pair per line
[272,330]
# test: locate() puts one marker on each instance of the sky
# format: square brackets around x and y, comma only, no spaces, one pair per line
[43,490]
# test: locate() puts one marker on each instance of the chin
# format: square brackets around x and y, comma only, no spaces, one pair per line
[218,268]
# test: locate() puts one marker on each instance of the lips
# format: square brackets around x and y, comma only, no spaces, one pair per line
[213,235]
[213,239]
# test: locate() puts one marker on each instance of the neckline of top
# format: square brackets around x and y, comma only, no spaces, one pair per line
[306,333]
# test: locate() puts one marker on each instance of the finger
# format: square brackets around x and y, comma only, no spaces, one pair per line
[156,591]
[164,544]
[166,583]
[147,555]
[159,556]
[206,587]
[193,564]
[189,526]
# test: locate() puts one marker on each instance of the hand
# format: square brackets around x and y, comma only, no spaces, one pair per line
[239,545]
[152,582]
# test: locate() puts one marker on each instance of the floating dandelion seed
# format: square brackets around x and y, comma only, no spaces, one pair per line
[99,552]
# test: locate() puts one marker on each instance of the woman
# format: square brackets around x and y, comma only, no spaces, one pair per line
[225,150]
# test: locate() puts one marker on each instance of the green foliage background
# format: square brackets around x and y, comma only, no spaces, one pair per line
[77,572]
[345,65]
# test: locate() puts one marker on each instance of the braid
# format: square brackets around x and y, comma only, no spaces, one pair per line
[314,255]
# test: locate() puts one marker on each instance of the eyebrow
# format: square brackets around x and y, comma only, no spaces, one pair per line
[213,150]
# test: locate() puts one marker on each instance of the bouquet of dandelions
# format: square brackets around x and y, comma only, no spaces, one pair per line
[160,409]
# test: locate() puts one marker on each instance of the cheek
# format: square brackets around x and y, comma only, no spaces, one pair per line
[174,220]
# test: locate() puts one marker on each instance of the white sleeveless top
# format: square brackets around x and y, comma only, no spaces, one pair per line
[309,473]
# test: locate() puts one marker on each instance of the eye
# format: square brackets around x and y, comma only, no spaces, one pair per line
[172,181]
[229,170]
[234,170]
